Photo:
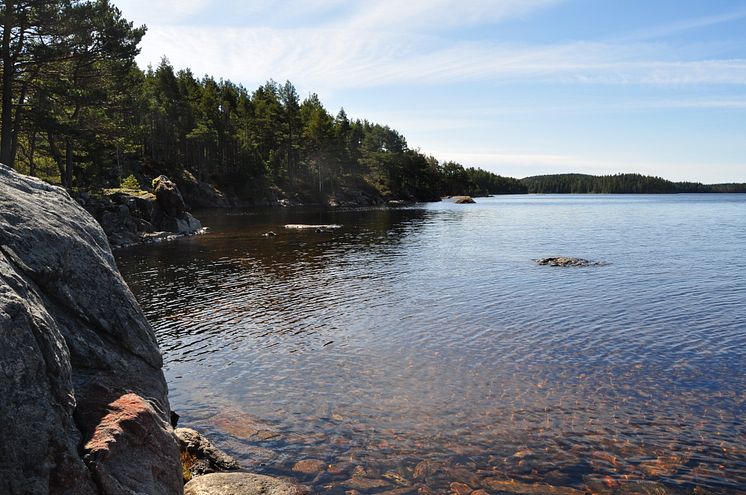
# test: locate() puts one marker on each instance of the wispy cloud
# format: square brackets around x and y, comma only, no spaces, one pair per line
[437,15]
[684,25]
[388,42]
[363,43]
[158,12]
[340,58]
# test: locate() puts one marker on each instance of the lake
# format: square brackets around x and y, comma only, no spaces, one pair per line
[417,347]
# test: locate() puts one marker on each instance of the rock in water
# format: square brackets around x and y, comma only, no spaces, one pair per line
[170,213]
[203,457]
[80,369]
[240,484]
[565,261]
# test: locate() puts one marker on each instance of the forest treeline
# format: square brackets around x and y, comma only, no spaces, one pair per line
[77,110]
[620,184]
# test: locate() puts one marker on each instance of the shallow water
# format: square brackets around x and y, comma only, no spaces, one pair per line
[423,346]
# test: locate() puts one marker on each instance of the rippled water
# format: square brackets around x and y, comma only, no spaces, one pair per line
[419,347]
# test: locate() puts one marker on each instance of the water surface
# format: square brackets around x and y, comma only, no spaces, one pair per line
[422,346]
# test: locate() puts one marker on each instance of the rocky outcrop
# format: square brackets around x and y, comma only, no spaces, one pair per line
[170,212]
[85,407]
[241,484]
[124,215]
[131,217]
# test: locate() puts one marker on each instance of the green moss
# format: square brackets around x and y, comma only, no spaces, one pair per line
[128,192]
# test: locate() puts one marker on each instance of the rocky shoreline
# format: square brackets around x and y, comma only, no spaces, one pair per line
[85,405]
[131,217]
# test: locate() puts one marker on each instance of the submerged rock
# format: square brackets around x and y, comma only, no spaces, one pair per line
[519,487]
[80,370]
[241,484]
[359,483]
[458,488]
[565,261]
[310,466]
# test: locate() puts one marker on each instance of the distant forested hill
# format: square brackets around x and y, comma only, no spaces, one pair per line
[620,184]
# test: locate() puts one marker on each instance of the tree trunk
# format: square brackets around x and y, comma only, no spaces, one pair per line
[58,158]
[32,150]
[67,181]
[6,120]
[18,121]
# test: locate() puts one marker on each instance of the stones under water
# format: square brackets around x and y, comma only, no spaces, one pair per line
[456,359]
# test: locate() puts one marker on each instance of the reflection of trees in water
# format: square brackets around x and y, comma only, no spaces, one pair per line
[292,289]
[235,239]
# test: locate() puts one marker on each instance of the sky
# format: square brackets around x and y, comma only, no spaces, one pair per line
[518,87]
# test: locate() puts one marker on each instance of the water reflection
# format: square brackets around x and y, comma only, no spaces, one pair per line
[421,348]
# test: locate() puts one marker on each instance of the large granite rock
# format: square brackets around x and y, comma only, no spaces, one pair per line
[78,359]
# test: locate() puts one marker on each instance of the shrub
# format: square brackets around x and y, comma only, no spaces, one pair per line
[131,183]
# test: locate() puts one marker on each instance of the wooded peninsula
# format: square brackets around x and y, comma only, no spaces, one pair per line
[77,111]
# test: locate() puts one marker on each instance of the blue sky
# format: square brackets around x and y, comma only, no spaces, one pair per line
[519,87]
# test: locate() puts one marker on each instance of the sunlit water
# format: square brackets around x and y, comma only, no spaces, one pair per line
[429,334]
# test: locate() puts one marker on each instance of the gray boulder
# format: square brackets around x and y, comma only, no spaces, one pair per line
[73,344]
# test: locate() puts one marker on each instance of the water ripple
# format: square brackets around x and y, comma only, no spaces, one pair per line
[427,333]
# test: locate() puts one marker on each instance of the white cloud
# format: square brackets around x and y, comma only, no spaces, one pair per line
[160,11]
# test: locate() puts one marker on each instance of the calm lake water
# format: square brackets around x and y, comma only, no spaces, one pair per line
[422,346]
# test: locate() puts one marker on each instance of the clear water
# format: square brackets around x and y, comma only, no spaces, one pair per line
[429,334]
